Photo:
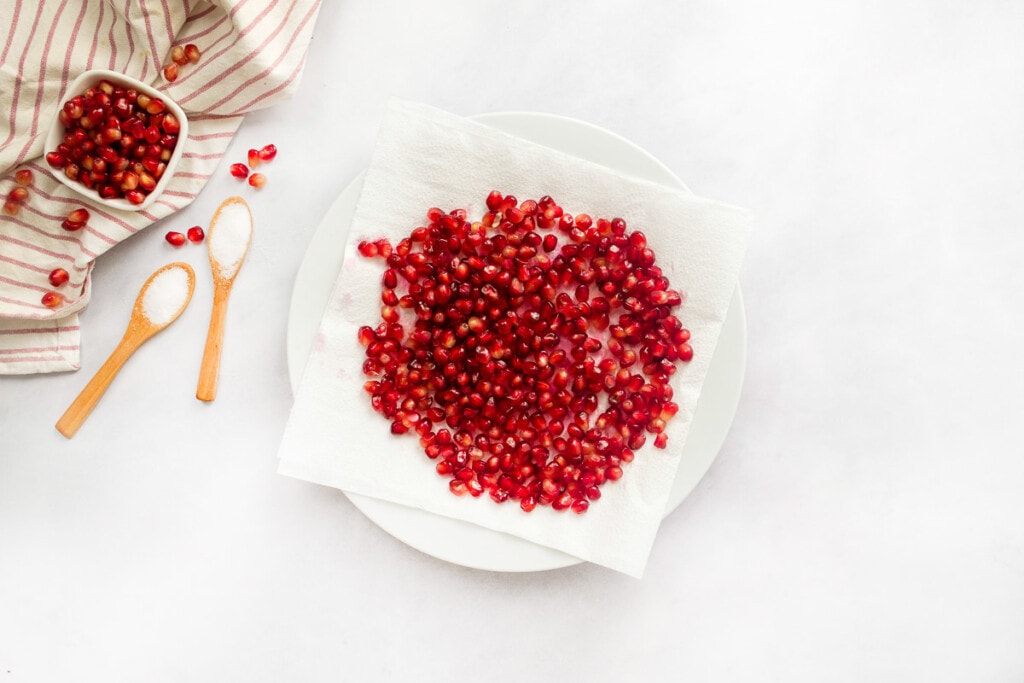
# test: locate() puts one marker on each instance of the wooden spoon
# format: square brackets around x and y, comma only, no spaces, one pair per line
[161,300]
[228,242]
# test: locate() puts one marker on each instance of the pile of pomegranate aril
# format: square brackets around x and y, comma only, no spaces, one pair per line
[117,141]
[530,351]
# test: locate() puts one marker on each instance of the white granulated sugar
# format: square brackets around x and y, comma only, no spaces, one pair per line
[229,238]
[166,295]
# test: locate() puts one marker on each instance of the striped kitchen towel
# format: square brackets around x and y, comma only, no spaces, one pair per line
[253,53]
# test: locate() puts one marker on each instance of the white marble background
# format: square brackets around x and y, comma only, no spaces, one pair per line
[863,522]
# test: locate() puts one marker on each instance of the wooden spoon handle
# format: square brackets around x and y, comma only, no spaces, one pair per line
[210,369]
[87,399]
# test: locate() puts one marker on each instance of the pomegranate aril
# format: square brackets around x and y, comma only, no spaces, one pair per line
[239,170]
[155,106]
[52,299]
[147,182]
[18,194]
[59,277]
[175,238]
[195,234]
[494,200]
[24,177]
[257,180]
[171,126]
[171,72]
[129,181]
[267,152]
[12,208]
[254,158]
[192,53]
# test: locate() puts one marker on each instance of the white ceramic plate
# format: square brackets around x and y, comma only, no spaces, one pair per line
[461,542]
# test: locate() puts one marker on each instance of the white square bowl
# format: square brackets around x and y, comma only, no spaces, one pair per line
[57,131]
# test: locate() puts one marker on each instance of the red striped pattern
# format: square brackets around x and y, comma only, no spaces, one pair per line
[47,44]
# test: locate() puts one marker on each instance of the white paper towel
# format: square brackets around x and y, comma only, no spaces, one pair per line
[425,157]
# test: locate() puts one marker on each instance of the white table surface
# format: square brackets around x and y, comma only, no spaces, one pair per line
[865,518]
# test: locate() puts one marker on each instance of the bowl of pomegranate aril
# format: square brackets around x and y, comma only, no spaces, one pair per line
[116,140]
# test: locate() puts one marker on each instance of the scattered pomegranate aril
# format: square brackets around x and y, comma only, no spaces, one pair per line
[178,55]
[52,299]
[72,226]
[171,72]
[192,53]
[254,158]
[547,361]
[12,208]
[239,170]
[24,177]
[257,180]
[59,277]
[267,152]
[175,238]
[195,234]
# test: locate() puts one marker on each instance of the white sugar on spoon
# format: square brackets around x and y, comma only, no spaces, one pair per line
[230,234]
[162,300]
[228,242]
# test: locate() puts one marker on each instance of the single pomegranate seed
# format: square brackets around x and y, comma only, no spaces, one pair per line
[196,234]
[12,208]
[171,125]
[178,55]
[18,194]
[580,505]
[192,53]
[175,238]
[79,215]
[257,180]
[147,182]
[254,158]
[52,299]
[239,170]
[71,226]
[59,277]
[171,72]
[24,177]
[267,152]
